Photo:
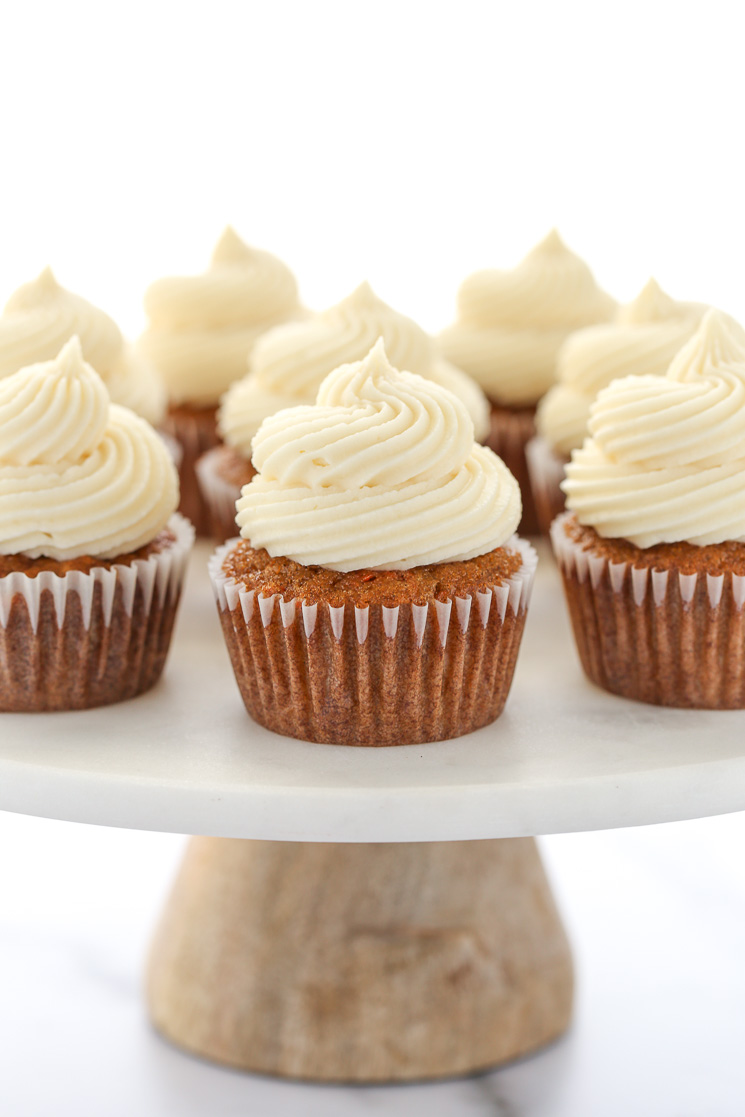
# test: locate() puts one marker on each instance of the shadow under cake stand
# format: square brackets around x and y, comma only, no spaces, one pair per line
[388,917]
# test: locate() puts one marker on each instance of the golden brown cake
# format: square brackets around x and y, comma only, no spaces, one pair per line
[385,659]
[652,549]
[91,556]
[378,596]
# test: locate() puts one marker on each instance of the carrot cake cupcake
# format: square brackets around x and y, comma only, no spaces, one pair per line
[287,367]
[91,555]
[652,547]
[642,340]
[378,594]
[41,316]
[200,333]
[511,325]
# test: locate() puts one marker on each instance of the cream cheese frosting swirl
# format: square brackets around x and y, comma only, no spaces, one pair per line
[383,473]
[511,324]
[42,315]
[642,341]
[666,460]
[78,475]
[202,328]
[289,363]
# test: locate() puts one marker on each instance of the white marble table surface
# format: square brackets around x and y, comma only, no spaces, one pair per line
[656,916]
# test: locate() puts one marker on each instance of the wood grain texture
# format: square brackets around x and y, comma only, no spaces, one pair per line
[360,963]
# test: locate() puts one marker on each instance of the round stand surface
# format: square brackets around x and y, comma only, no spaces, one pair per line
[186,758]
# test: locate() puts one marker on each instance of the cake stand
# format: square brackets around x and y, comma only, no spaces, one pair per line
[389,918]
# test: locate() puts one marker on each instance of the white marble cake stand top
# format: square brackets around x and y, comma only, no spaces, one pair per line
[186,758]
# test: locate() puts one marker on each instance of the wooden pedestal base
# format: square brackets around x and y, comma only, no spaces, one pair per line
[361,962]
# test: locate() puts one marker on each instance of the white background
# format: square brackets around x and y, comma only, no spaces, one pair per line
[406,143]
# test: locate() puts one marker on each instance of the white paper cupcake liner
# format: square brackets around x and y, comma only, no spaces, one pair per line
[658,636]
[218,495]
[547,470]
[85,639]
[374,675]
[173,446]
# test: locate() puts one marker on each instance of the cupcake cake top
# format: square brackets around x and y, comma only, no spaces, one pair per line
[78,474]
[289,363]
[511,324]
[42,315]
[203,327]
[383,473]
[666,460]
[642,340]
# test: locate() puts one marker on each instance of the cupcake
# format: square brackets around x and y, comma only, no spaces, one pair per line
[652,547]
[200,333]
[41,316]
[511,325]
[378,594]
[642,340]
[288,366]
[91,556]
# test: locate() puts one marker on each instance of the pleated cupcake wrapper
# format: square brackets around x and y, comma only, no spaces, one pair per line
[159,576]
[514,594]
[374,674]
[509,433]
[173,446]
[658,636]
[85,639]
[196,433]
[218,495]
[547,470]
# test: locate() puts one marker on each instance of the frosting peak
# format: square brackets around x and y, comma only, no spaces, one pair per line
[242,286]
[42,315]
[361,299]
[361,407]
[382,473]
[718,345]
[666,461]
[230,249]
[651,305]
[642,341]
[290,362]
[552,244]
[511,324]
[371,380]
[551,288]
[57,412]
[36,292]
[203,327]
[78,476]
